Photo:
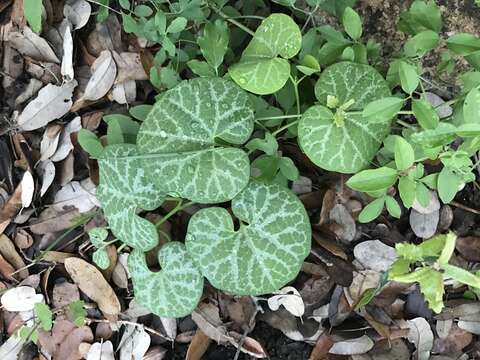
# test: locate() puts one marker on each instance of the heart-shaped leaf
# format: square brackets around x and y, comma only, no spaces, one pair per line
[265,253]
[263,68]
[175,290]
[177,154]
[347,146]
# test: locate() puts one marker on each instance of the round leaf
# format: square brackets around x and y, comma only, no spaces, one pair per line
[351,147]
[265,253]
[172,292]
[263,68]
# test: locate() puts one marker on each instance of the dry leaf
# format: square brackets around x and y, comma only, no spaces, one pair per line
[77,12]
[20,298]
[355,346]
[64,294]
[322,346]
[32,45]
[207,318]
[30,91]
[67,59]
[69,347]
[50,140]
[155,353]
[290,299]
[8,251]
[170,327]
[101,351]
[134,344]
[129,67]
[47,169]
[51,103]
[125,92]
[421,336]
[80,195]
[198,346]
[28,189]
[65,145]
[91,282]
[104,71]
[374,255]
[51,221]
[23,239]
[424,225]
[11,348]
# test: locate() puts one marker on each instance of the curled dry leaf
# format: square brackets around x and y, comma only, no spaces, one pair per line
[134,344]
[374,255]
[65,145]
[91,282]
[198,346]
[30,44]
[129,67]
[101,351]
[77,12]
[47,169]
[355,346]
[23,240]
[50,140]
[20,298]
[51,103]
[104,71]
[10,209]
[67,59]
[28,189]
[421,336]
[290,298]
[207,318]
[124,92]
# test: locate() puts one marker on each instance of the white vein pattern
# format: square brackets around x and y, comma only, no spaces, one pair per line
[172,292]
[351,147]
[265,253]
[260,69]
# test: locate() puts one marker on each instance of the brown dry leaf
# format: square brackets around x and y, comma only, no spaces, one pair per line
[91,282]
[30,91]
[322,346]
[129,67]
[6,270]
[249,345]
[119,276]
[69,348]
[10,209]
[56,256]
[64,294]
[456,340]
[51,341]
[198,346]
[329,245]
[106,36]
[8,251]
[155,353]
[30,44]
[207,318]
[469,247]
[362,281]
[23,240]
[51,220]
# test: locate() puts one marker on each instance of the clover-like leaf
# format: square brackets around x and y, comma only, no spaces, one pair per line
[178,152]
[265,253]
[175,290]
[97,236]
[263,68]
[344,141]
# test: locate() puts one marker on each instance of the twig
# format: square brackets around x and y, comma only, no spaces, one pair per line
[464,207]
[124,322]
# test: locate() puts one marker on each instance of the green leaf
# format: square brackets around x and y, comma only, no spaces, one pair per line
[431,181]
[121,129]
[421,43]
[214,42]
[32,10]
[201,68]
[268,145]
[422,195]
[140,112]
[352,23]
[443,134]
[176,154]
[407,189]
[463,44]
[143,10]
[383,110]
[469,130]
[449,248]
[77,313]
[44,316]
[372,210]
[288,168]
[409,78]
[471,107]
[351,147]
[425,114]
[373,179]
[172,292]
[392,207]
[422,15]
[102,12]
[399,267]
[178,24]
[263,68]
[461,275]
[101,259]
[404,154]
[448,183]
[97,236]
[90,143]
[265,253]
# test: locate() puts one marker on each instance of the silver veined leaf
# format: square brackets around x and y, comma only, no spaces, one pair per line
[263,68]
[348,147]
[265,253]
[172,292]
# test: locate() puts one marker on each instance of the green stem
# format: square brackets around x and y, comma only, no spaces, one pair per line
[179,207]
[407,125]
[232,21]
[278,117]
[297,95]
[279,130]
[105,6]
[121,247]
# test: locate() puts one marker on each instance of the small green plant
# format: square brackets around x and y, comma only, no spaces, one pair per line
[32,10]
[430,260]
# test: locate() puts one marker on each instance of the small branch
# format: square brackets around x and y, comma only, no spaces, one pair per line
[464,207]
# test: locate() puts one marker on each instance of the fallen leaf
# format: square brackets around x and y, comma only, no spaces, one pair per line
[103,76]
[50,140]
[303,185]
[10,209]
[8,251]
[80,195]
[20,298]
[51,103]
[456,340]
[291,300]
[11,348]
[469,247]
[101,351]
[77,12]
[344,225]
[47,169]
[23,240]
[106,36]
[362,281]
[28,189]
[119,276]
[155,353]
[30,91]
[170,327]
[198,346]
[50,341]
[355,346]
[129,67]
[248,345]
[443,110]
[30,44]
[424,225]
[125,92]
[64,294]
[134,343]
[374,255]
[51,221]
[322,347]
[67,59]
[65,145]
[433,205]
[207,318]
[421,336]
[91,282]
[470,326]
[6,269]
[69,347]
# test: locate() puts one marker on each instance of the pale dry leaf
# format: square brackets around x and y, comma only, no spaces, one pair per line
[129,67]
[51,103]
[67,169]
[374,255]
[249,346]
[433,205]
[443,110]
[347,227]
[421,336]
[119,276]
[124,92]
[106,36]
[443,328]
[291,300]
[80,195]
[156,353]
[170,327]
[424,225]
[207,318]
[104,71]
[11,348]
[134,343]
[91,282]
[20,298]
[77,12]
[303,185]
[65,145]
[355,346]
[51,221]
[47,170]
[30,91]
[362,281]
[23,240]
[67,59]
[64,294]
[28,189]
[101,351]
[30,44]
[470,326]
[49,142]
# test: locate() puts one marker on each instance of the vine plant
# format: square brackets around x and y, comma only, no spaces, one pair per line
[214,139]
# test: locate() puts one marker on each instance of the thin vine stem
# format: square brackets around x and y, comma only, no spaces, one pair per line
[278,117]
[179,207]
[105,6]
[232,21]
[279,130]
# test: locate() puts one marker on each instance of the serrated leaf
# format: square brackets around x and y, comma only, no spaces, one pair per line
[351,147]
[264,68]
[373,179]
[176,155]
[265,253]
[175,290]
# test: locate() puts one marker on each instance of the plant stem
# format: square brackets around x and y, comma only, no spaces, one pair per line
[278,117]
[179,207]
[407,125]
[279,130]
[297,95]
[105,6]
[230,20]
